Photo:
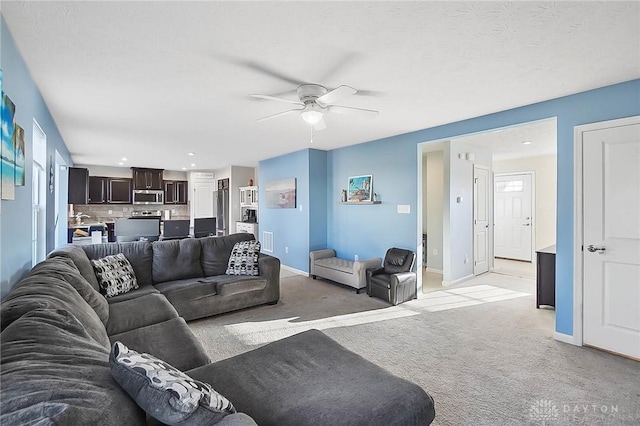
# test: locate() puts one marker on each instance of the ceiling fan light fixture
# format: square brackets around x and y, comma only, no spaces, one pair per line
[311,116]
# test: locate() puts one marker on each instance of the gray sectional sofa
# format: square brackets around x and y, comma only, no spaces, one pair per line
[58,332]
[190,273]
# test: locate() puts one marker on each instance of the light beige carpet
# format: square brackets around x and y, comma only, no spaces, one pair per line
[481,349]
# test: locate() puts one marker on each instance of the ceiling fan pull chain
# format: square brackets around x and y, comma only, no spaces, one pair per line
[311,127]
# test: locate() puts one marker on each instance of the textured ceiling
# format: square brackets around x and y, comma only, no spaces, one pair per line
[154,80]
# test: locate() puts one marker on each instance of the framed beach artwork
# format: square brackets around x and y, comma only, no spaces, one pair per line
[7,148]
[281,194]
[360,188]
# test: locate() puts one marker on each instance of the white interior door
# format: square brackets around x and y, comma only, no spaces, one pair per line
[611,236]
[481,187]
[513,216]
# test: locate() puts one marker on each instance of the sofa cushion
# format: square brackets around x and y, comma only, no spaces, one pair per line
[232,284]
[142,311]
[164,392]
[309,379]
[171,341]
[53,372]
[39,291]
[216,252]
[176,260]
[115,274]
[80,259]
[64,268]
[336,264]
[141,291]
[138,253]
[395,260]
[189,289]
[244,258]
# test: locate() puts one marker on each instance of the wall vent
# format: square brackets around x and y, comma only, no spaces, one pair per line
[267,241]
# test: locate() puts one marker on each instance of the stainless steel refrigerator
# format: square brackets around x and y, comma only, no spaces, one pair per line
[222,210]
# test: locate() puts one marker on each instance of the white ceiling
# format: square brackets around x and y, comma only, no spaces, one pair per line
[154,80]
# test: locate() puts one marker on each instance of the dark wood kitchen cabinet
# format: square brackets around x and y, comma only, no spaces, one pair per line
[147,178]
[78,185]
[120,190]
[98,190]
[175,191]
[105,190]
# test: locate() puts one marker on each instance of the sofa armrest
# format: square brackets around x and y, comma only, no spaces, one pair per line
[402,278]
[269,268]
[321,254]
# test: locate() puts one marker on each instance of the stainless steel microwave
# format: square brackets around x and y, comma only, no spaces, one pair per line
[148,196]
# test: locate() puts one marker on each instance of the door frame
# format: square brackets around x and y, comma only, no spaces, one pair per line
[578,237]
[532,174]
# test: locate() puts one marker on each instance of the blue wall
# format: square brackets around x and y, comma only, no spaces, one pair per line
[317,199]
[15,220]
[370,230]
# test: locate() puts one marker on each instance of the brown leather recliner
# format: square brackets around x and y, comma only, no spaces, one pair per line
[395,282]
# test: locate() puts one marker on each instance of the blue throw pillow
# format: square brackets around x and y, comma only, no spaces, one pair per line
[164,392]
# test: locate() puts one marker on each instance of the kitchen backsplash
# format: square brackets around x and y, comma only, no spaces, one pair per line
[110,212]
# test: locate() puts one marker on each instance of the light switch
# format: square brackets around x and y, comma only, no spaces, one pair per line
[459,200]
[404,208]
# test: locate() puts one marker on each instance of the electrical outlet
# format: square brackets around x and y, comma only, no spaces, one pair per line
[355,257]
[466,258]
[286,249]
[173,211]
[435,252]
[110,211]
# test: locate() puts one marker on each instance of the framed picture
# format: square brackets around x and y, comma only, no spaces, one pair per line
[360,188]
[281,194]
[7,150]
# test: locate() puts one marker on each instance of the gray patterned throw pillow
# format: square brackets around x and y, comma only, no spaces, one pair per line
[115,274]
[165,393]
[244,258]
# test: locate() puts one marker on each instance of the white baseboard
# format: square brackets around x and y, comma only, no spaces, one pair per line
[566,338]
[294,270]
[458,281]
[434,271]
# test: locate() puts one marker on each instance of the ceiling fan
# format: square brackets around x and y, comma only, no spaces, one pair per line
[315,101]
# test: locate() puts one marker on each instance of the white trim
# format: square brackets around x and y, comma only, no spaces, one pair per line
[578,279]
[458,281]
[434,270]
[294,270]
[566,338]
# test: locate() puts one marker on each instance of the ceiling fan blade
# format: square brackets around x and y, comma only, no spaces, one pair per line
[268,71]
[274,98]
[360,112]
[269,117]
[320,125]
[335,94]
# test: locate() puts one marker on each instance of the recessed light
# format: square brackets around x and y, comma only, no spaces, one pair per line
[526,142]
[193,165]
[121,164]
[191,153]
[124,158]
[184,168]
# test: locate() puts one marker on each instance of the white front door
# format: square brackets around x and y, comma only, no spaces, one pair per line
[611,236]
[481,187]
[512,216]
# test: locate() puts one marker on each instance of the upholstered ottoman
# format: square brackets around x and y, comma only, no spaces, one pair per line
[309,379]
[325,264]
